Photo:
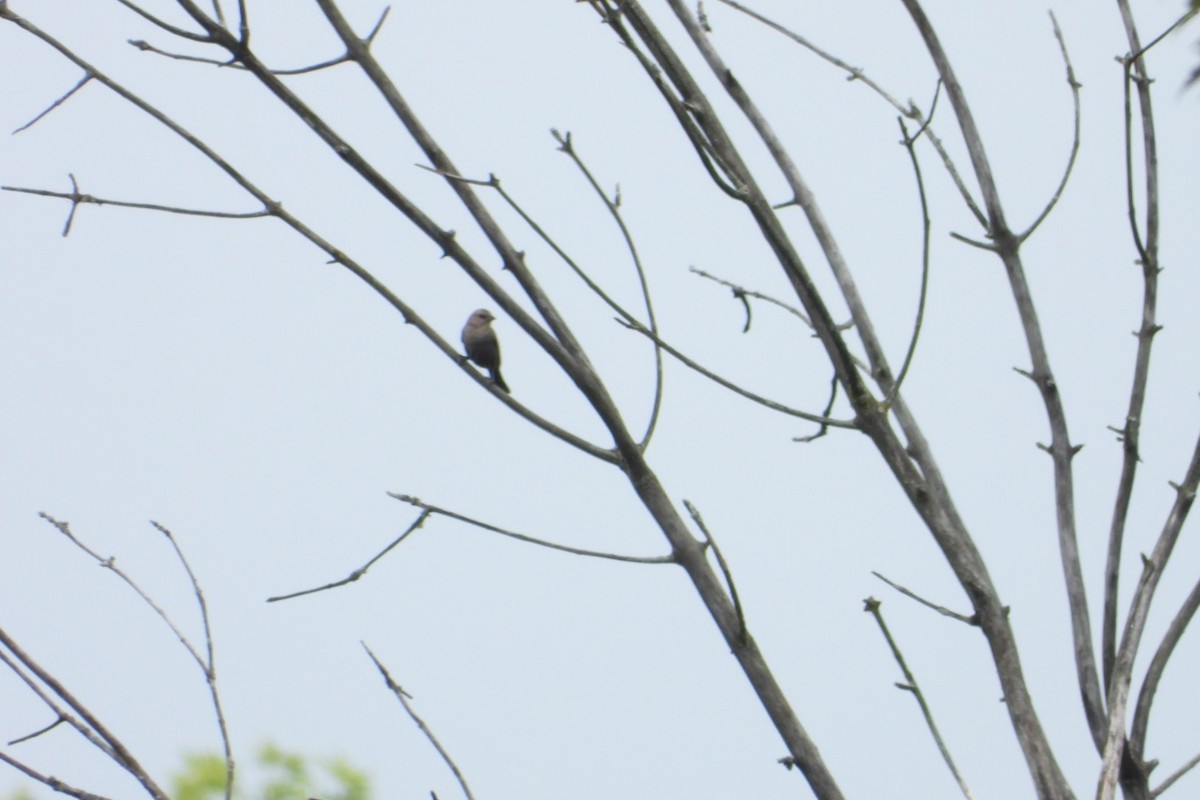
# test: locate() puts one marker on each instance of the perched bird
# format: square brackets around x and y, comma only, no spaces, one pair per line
[482,347]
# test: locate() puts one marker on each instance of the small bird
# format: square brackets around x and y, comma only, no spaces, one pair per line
[482,346]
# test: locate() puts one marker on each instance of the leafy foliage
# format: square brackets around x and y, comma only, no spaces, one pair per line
[289,776]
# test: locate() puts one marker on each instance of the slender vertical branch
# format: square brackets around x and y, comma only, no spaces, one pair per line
[1049,778]
[1117,758]
[925,489]
[1136,78]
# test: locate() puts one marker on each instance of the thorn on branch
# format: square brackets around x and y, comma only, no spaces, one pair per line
[991,248]
[375,31]
[1185,492]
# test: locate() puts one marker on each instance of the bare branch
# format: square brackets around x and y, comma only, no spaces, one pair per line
[914,596]
[82,82]
[857,74]
[924,292]
[637,327]
[205,663]
[404,697]
[1188,766]
[49,780]
[78,198]
[112,746]
[1135,625]
[44,729]
[1062,184]
[436,233]
[358,573]
[146,47]
[566,146]
[823,428]
[227,63]
[1158,664]
[1046,772]
[1130,433]
[613,206]
[60,712]
[872,606]
[741,293]
[210,663]
[708,537]
[110,563]
[171,29]
[432,509]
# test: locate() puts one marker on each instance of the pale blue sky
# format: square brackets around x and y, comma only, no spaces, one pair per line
[220,378]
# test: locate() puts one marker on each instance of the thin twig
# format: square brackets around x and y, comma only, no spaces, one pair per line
[404,697]
[708,537]
[860,76]
[44,729]
[227,63]
[614,209]
[78,198]
[171,29]
[61,714]
[871,606]
[822,429]
[744,295]
[1130,433]
[206,664]
[50,781]
[82,82]
[914,596]
[718,169]
[432,509]
[358,573]
[110,563]
[1187,767]
[741,293]
[1075,138]
[733,387]
[210,666]
[923,295]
